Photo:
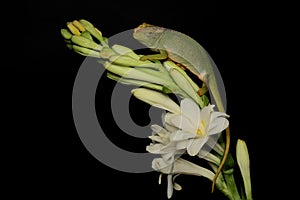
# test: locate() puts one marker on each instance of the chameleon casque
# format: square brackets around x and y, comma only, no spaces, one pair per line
[184,50]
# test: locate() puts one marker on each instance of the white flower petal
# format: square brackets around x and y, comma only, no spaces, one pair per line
[206,112]
[176,186]
[179,152]
[168,157]
[205,116]
[212,142]
[156,138]
[182,144]
[161,165]
[218,114]
[159,179]
[183,123]
[202,153]
[209,157]
[156,128]
[217,125]
[154,148]
[167,118]
[181,135]
[168,148]
[190,110]
[170,186]
[170,128]
[195,145]
[182,166]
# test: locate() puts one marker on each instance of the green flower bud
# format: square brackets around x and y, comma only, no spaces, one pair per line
[84,42]
[185,85]
[243,161]
[73,29]
[125,51]
[66,34]
[93,31]
[78,25]
[85,52]
[156,99]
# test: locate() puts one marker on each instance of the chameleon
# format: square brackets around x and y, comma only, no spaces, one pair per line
[182,49]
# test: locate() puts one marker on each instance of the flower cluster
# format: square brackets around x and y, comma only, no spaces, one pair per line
[191,127]
[188,131]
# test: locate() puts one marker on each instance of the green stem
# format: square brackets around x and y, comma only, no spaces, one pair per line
[229,178]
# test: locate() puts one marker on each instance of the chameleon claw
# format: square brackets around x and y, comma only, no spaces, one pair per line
[202,90]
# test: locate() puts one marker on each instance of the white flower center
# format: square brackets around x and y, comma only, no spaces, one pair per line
[201,131]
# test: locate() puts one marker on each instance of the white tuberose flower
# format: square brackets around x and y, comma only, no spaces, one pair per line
[195,126]
[162,144]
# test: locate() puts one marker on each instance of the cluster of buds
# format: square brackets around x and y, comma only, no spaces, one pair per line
[80,36]
[125,66]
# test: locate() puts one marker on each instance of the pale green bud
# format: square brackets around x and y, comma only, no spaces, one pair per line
[171,65]
[139,83]
[66,34]
[133,73]
[243,161]
[93,31]
[84,42]
[129,61]
[122,50]
[156,99]
[185,85]
[85,51]
[107,52]
[87,35]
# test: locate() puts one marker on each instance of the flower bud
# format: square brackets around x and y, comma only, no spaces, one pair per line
[122,50]
[66,34]
[84,42]
[156,99]
[78,25]
[73,29]
[243,161]
[85,52]
[93,31]
[185,85]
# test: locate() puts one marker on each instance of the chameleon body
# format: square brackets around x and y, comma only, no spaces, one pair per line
[187,52]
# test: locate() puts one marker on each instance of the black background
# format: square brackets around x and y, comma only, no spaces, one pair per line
[51,159]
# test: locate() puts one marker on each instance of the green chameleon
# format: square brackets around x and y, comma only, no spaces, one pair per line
[184,50]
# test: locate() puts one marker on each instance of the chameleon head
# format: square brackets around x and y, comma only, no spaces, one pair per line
[148,34]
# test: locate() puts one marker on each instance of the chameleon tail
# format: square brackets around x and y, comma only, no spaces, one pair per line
[226,152]
[216,95]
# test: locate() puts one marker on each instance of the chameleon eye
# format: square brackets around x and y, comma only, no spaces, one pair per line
[149,34]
